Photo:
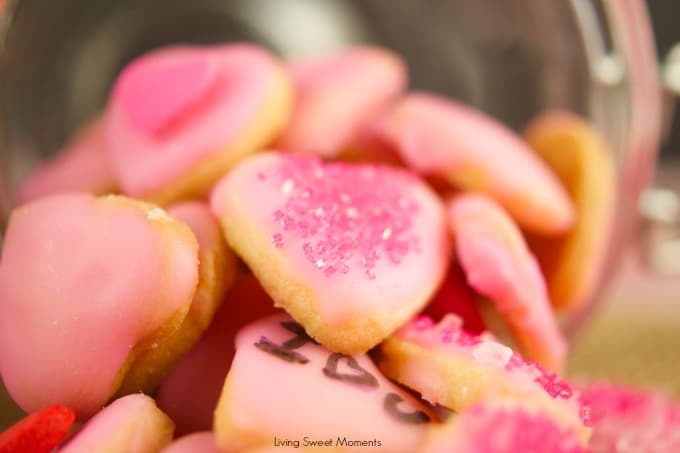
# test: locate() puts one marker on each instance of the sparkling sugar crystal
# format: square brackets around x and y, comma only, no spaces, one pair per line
[348,216]
[492,353]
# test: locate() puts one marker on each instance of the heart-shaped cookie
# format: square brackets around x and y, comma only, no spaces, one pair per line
[350,251]
[499,265]
[456,369]
[169,140]
[267,395]
[87,285]
[335,94]
[440,137]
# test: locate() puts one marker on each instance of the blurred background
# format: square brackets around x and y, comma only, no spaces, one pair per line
[67,53]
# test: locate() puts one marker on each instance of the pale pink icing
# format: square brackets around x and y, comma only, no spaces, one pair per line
[81,165]
[201,442]
[336,93]
[132,424]
[627,420]
[304,400]
[203,122]
[489,428]
[513,370]
[457,297]
[82,280]
[363,238]
[199,218]
[499,265]
[190,391]
[435,135]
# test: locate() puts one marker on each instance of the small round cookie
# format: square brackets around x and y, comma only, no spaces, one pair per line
[216,274]
[455,369]
[336,93]
[86,285]
[457,297]
[38,432]
[131,424]
[503,425]
[573,263]
[350,251]
[630,420]
[283,386]
[190,391]
[199,442]
[440,137]
[81,165]
[499,265]
[178,118]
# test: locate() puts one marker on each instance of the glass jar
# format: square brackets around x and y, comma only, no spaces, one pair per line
[510,59]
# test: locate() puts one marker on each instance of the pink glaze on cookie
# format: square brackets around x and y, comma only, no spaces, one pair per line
[83,280]
[132,424]
[217,264]
[336,93]
[352,243]
[190,392]
[153,96]
[81,165]
[438,136]
[500,428]
[448,336]
[454,368]
[457,297]
[499,265]
[627,420]
[201,442]
[176,108]
[283,384]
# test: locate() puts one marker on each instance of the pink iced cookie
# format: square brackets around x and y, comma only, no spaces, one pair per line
[503,426]
[131,424]
[282,385]
[217,264]
[216,273]
[190,392]
[457,297]
[632,420]
[178,118]
[350,251]
[82,165]
[336,93]
[499,265]
[200,442]
[456,369]
[86,286]
[438,136]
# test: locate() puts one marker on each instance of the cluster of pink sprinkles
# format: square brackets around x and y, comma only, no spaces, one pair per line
[450,331]
[345,214]
[487,427]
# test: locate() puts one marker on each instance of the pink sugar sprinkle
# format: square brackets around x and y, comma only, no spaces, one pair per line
[277,239]
[347,215]
[514,431]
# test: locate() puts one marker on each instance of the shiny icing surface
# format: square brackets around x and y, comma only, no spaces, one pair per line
[157,137]
[499,265]
[312,383]
[74,267]
[336,94]
[82,164]
[363,239]
[439,136]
